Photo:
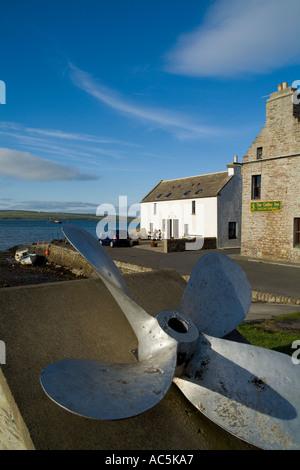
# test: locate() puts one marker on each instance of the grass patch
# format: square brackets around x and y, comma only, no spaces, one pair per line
[270,334]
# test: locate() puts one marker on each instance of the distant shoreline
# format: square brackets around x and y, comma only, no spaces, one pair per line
[51,216]
[35,215]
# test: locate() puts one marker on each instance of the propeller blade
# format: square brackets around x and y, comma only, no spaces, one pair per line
[218,295]
[252,392]
[94,253]
[90,248]
[108,391]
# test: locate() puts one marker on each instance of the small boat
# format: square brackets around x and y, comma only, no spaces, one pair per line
[28,259]
[19,254]
[56,221]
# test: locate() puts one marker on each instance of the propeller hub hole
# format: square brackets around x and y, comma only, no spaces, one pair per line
[178,325]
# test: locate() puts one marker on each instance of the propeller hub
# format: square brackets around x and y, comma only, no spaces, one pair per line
[178,325]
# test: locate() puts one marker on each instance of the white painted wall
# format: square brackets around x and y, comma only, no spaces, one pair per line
[211,218]
[202,223]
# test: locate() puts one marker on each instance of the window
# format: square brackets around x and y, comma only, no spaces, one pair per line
[169,194]
[232,230]
[256,187]
[198,191]
[193,207]
[154,208]
[159,196]
[297,232]
[259,153]
[187,192]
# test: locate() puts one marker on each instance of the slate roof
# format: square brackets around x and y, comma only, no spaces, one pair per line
[191,187]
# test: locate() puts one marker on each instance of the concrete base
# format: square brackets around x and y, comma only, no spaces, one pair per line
[14,434]
[79,319]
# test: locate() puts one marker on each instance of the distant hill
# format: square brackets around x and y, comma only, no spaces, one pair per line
[61,216]
[35,215]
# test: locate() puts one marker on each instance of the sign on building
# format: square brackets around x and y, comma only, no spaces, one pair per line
[267,206]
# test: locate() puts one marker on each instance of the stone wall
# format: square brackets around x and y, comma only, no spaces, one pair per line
[174,244]
[270,235]
[65,255]
[230,209]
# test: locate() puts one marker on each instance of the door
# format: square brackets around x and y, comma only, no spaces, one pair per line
[175,228]
[172,228]
[169,228]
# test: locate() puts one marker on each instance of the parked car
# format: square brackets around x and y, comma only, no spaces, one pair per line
[115,238]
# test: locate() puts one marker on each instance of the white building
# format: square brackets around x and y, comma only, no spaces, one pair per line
[207,206]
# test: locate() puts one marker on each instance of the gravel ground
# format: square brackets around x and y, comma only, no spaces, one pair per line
[13,273]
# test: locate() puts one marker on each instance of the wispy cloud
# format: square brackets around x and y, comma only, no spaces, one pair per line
[177,124]
[26,166]
[239,38]
[11,127]
[78,147]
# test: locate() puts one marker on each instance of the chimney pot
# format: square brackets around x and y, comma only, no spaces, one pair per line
[235,159]
[279,87]
[284,85]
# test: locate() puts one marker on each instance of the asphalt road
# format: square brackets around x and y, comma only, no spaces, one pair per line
[279,279]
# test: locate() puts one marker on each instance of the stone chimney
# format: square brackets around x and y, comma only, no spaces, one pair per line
[282,86]
[281,133]
[235,167]
[280,105]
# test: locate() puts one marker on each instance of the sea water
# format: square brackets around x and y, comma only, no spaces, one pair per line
[23,232]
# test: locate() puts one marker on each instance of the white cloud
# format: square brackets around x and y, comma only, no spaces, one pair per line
[9,128]
[77,147]
[175,123]
[238,38]
[26,166]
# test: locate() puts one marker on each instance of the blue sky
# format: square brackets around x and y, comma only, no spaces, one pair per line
[106,98]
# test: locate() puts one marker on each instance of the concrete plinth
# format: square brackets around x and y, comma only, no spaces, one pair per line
[79,319]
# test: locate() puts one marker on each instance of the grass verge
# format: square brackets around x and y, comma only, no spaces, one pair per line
[272,333]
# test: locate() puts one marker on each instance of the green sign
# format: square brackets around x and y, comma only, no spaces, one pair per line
[267,206]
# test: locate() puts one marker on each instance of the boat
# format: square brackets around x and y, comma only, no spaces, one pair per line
[19,254]
[56,221]
[29,259]
[23,256]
